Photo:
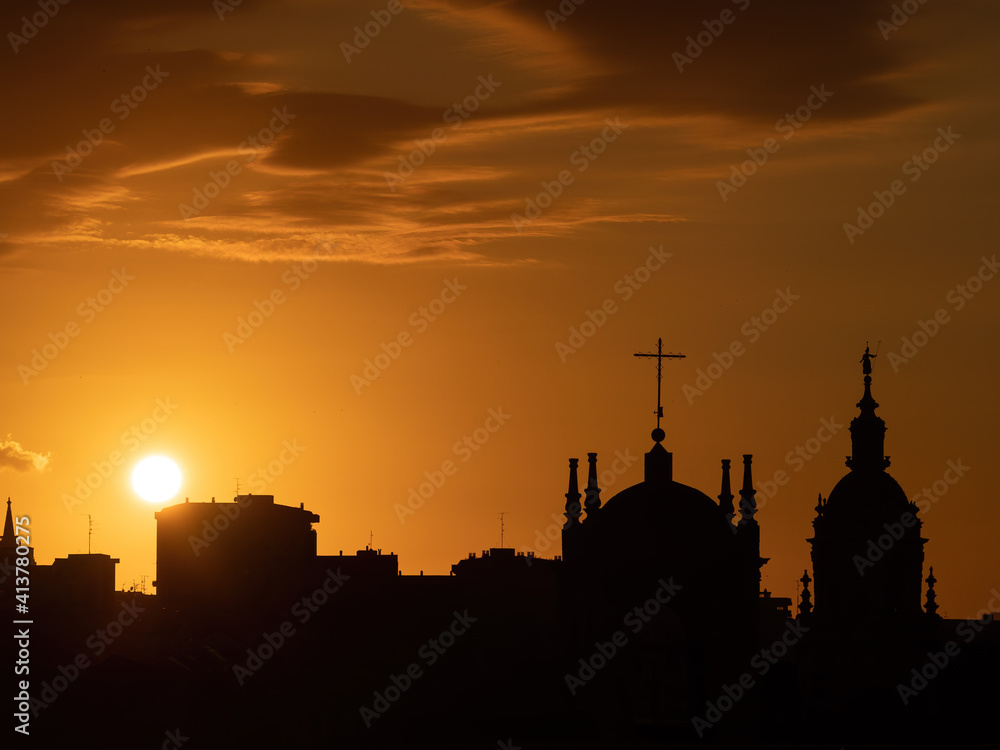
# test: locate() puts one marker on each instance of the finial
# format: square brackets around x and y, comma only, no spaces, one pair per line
[805,605]
[572,496]
[726,494]
[593,501]
[931,607]
[748,505]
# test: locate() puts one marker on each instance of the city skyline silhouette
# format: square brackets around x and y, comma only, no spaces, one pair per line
[689,659]
[333,329]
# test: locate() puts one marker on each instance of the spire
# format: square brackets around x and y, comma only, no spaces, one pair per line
[8,529]
[748,506]
[593,501]
[931,607]
[572,496]
[867,429]
[726,495]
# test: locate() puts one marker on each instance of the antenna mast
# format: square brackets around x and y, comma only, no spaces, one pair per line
[501,528]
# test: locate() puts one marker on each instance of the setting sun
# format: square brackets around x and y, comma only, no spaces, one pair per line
[156,479]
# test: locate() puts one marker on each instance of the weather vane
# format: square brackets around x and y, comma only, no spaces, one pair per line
[660,356]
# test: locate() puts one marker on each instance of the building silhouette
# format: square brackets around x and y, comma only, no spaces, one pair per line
[867,551]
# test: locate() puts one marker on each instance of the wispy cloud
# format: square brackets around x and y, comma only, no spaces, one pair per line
[15,456]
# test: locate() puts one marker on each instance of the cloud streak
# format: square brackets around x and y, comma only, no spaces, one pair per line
[15,456]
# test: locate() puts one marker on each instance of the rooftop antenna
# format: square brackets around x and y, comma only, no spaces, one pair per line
[237,486]
[660,356]
[501,527]
[90,530]
[370,537]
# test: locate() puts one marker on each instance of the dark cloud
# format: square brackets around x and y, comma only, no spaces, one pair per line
[328,166]
[757,66]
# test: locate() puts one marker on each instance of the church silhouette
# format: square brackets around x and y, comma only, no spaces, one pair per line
[649,630]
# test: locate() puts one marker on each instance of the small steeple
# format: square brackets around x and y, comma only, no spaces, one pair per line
[572,496]
[931,607]
[8,539]
[593,501]
[867,429]
[726,495]
[748,506]
[805,605]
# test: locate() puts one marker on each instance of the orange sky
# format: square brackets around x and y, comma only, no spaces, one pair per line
[357,194]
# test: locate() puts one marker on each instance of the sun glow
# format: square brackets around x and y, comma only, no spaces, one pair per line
[156,478]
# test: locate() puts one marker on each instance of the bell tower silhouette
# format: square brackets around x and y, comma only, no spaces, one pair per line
[867,550]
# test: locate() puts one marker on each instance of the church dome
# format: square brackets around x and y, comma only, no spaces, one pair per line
[870,494]
[664,521]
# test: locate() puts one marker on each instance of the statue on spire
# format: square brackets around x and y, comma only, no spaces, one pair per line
[866,359]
